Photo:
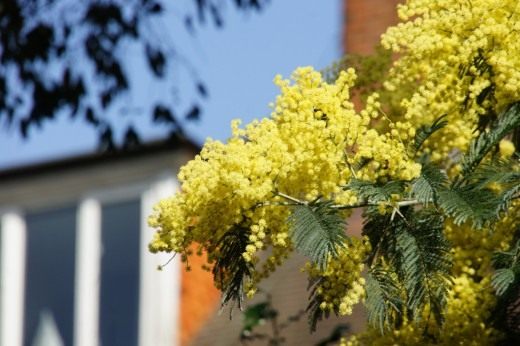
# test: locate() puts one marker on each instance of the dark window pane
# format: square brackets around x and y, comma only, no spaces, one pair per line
[1,283]
[49,278]
[119,305]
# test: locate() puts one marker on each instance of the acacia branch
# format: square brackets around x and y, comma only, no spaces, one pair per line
[399,204]
[292,199]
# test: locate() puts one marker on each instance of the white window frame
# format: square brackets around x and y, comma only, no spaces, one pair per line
[12,277]
[157,325]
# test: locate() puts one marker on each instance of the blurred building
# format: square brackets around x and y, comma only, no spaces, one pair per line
[74,265]
[75,269]
[365,21]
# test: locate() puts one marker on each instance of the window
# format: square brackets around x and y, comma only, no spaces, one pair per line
[49,276]
[119,299]
[81,274]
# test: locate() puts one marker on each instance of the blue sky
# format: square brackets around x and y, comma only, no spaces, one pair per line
[237,64]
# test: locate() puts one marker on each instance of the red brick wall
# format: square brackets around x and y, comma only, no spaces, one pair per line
[199,299]
[365,21]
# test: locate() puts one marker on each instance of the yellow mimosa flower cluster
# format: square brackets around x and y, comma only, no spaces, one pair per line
[506,148]
[341,285]
[466,321]
[472,250]
[305,149]
[458,58]
[462,57]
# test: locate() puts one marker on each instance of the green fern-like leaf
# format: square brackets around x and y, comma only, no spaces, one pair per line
[465,203]
[314,312]
[230,268]
[373,192]
[317,231]
[414,271]
[423,262]
[506,282]
[414,247]
[425,187]
[424,132]
[502,279]
[497,171]
[486,141]
[507,264]
[507,196]
[383,299]
[255,315]
[502,259]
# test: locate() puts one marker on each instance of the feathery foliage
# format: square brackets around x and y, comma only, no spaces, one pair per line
[507,196]
[423,262]
[371,193]
[317,230]
[254,315]
[469,203]
[486,141]
[502,279]
[415,246]
[425,188]
[496,171]
[425,131]
[314,313]
[507,264]
[506,282]
[230,268]
[499,173]
[383,298]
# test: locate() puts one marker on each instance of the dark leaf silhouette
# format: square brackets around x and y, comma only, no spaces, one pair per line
[162,114]
[201,89]
[106,140]
[91,118]
[193,113]
[131,138]
[87,41]
[156,60]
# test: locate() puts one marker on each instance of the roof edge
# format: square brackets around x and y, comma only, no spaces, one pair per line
[97,158]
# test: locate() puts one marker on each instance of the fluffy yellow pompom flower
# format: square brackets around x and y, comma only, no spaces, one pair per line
[469,306]
[507,148]
[305,149]
[341,285]
[457,58]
